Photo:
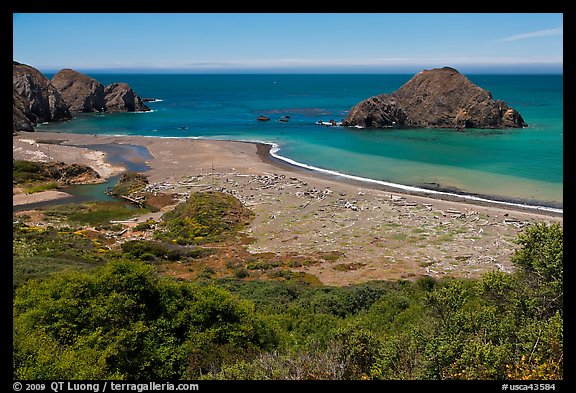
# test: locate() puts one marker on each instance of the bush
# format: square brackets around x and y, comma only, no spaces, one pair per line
[540,260]
[27,171]
[128,183]
[148,250]
[124,321]
[204,217]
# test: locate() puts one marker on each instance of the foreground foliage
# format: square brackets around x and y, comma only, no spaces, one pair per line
[121,319]
[124,321]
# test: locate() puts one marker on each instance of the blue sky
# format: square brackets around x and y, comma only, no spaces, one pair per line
[290,42]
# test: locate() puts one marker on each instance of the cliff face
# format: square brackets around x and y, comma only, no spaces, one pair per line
[22,117]
[438,98]
[35,100]
[80,92]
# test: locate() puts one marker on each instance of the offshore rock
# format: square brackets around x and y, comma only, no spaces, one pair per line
[80,92]
[380,111]
[438,98]
[119,97]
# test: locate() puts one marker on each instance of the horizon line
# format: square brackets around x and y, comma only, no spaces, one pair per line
[408,70]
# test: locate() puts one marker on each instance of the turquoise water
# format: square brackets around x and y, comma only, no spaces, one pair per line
[521,165]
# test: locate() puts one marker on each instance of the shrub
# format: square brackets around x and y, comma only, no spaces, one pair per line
[204,217]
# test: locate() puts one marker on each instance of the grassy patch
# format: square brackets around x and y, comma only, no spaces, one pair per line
[446,237]
[27,171]
[263,265]
[40,187]
[205,217]
[329,256]
[92,213]
[129,182]
[399,236]
[37,252]
[298,278]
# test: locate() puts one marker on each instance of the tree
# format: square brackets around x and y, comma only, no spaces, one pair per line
[125,321]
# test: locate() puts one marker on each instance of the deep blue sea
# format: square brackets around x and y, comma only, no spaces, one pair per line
[520,165]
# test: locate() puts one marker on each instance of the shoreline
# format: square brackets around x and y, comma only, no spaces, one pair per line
[267,154]
[371,232]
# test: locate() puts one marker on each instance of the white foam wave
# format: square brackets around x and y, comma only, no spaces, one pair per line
[275,148]
[150,111]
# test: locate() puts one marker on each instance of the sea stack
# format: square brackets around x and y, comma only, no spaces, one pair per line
[119,97]
[437,98]
[80,92]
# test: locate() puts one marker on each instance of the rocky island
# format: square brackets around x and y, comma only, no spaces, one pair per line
[437,98]
[36,99]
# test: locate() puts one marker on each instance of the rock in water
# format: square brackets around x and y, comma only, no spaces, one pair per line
[35,100]
[438,98]
[120,97]
[80,92]
[85,94]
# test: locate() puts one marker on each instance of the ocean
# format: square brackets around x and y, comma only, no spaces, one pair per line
[523,166]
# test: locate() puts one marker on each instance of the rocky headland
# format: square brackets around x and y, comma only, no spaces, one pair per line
[437,98]
[36,99]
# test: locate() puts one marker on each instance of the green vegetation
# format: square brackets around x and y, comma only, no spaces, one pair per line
[153,250]
[28,171]
[38,252]
[123,321]
[38,176]
[39,187]
[84,309]
[92,213]
[129,182]
[205,217]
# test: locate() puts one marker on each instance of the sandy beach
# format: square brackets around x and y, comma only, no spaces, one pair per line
[377,233]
